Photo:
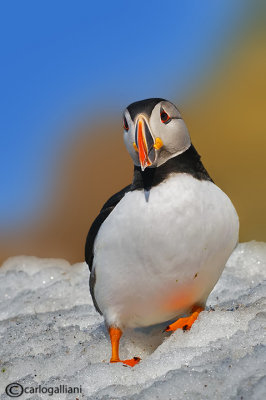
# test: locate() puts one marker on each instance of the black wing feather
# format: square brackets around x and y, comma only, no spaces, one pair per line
[114,200]
[94,229]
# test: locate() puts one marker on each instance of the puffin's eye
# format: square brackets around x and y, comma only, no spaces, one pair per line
[165,117]
[126,127]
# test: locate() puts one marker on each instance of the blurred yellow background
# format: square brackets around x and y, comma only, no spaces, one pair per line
[225,115]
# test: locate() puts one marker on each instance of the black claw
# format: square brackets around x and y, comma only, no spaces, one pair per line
[185,328]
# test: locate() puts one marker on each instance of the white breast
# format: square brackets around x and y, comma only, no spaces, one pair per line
[155,259]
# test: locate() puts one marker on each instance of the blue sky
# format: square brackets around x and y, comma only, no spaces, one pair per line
[62,61]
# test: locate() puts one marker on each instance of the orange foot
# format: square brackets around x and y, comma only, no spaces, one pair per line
[184,323]
[131,363]
[115,335]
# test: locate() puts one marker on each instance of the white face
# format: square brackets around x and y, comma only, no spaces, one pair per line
[151,141]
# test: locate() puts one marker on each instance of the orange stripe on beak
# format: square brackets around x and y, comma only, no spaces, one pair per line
[142,145]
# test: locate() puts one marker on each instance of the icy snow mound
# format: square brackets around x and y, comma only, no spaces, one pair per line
[51,335]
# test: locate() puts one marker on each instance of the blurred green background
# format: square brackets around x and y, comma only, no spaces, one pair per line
[70,69]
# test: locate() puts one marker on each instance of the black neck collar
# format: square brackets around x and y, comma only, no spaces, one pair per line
[187,162]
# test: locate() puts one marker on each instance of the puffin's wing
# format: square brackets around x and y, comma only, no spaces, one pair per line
[105,211]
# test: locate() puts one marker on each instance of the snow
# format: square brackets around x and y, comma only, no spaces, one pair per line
[51,335]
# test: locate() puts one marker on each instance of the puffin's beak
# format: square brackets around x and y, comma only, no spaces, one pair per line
[145,143]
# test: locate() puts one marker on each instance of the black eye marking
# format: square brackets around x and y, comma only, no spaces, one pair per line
[126,127]
[165,118]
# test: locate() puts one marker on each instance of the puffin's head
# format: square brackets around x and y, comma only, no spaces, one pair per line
[154,132]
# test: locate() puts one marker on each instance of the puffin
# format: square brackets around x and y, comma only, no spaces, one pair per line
[159,245]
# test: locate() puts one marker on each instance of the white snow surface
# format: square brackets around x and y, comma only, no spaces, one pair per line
[51,335]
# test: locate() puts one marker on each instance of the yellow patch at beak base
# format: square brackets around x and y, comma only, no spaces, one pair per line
[135,147]
[158,143]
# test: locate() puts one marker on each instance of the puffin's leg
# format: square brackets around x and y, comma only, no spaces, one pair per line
[185,323]
[115,335]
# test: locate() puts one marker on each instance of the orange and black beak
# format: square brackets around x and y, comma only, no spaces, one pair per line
[145,143]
